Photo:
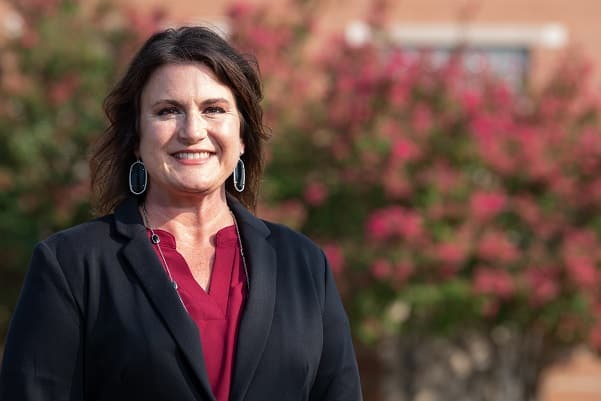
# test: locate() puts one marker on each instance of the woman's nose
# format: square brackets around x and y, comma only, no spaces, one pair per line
[194,128]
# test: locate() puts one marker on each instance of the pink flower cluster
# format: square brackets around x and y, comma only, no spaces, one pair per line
[395,273]
[496,282]
[486,205]
[395,222]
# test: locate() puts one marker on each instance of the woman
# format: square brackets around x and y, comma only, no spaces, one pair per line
[179,292]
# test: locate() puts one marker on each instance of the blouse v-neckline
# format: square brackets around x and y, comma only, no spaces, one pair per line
[211,304]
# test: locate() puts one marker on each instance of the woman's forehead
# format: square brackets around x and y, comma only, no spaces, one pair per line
[188,80]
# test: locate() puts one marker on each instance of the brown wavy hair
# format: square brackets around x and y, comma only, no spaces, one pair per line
[113,152]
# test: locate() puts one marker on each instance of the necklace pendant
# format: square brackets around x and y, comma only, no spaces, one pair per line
[155,239]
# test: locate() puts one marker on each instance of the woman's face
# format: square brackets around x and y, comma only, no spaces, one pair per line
[190,137]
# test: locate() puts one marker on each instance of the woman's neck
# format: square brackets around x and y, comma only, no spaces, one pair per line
[192,220]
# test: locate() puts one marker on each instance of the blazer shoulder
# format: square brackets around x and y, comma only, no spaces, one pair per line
[298,256]
[80,236]
[284,237]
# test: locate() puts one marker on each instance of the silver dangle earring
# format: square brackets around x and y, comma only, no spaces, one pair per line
[239,176]
[138,178]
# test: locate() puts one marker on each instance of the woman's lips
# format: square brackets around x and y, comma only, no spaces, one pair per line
[192,157]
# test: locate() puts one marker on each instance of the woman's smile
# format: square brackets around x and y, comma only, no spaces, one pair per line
[193,157]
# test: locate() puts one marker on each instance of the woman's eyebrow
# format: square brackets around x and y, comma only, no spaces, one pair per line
[215,100]
[168,101]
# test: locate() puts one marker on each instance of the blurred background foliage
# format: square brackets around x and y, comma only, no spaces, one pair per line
[445,199]
[54,72]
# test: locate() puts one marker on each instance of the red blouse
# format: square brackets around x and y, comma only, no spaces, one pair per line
[216,312]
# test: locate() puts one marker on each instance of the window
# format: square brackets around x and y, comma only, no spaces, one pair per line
[504,49]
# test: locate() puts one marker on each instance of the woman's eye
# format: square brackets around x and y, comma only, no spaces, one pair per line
[214,110]
[165,111]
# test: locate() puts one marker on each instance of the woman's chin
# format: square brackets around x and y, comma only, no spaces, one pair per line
[199,190]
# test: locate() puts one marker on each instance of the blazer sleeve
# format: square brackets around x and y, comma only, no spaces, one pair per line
[43,352]
[337,376]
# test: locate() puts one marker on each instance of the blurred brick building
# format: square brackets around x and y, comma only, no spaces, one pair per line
[522,40]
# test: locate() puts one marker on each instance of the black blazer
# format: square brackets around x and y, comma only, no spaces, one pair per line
[98,320]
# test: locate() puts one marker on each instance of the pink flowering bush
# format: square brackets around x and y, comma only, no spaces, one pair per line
[470,203]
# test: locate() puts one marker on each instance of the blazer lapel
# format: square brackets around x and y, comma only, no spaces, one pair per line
[260,304]
[149,271]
